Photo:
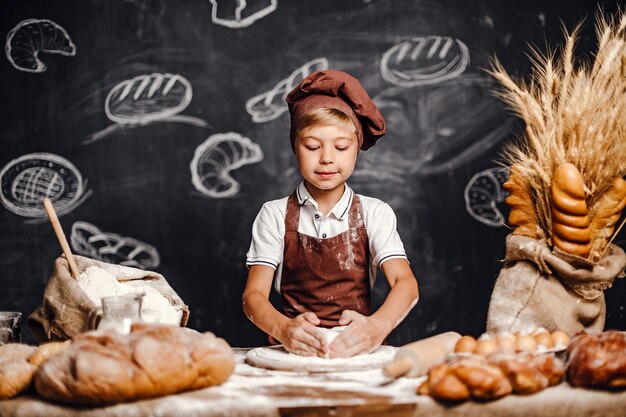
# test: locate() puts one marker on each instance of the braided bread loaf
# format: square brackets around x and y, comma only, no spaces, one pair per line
[570,215]
[489,379]
[522,214]
[605,214]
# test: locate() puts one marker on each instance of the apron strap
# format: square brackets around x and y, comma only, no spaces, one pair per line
[292,218]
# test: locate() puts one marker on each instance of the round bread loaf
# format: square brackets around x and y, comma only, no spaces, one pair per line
[153,360]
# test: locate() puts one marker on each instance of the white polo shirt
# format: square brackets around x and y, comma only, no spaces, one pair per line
[268,230]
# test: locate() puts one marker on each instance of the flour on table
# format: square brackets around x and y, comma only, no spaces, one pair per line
[97,283]
[276,357]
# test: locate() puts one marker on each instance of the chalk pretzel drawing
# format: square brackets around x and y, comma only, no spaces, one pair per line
[424,60]
[27,180]
[31,37]
[216,157]
[483,191]
[88,240]
[246,12]
[271,104]
[145,99]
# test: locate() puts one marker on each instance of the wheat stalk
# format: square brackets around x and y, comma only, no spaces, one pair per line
[574,112]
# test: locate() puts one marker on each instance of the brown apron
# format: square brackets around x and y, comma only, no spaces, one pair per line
[326,276]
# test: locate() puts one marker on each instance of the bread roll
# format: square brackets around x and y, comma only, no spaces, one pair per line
[152,360]
[569,211]
[597,360]
[524,377]
[445,385]
[523,213]
[484,381]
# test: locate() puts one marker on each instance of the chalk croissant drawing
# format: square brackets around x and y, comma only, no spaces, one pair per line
[482,194]
[237,14]
[145,99]
[27,180]
[271,104]
[30,38]
[86,239]
[424,60]
[216,157]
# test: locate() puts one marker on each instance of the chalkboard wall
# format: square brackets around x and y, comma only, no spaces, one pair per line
[159,129]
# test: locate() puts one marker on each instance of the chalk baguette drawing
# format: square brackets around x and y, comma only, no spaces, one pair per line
[424,60]
[34,36]
[245,12]
[271,104]
[88,240]
[27,180]
[145,99]
[216,157]
[482,194]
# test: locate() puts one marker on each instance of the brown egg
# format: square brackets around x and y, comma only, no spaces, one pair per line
[466,344]
[560,338]
[485,347]
[505,344]
[545,340]
[539,331]
[525,344]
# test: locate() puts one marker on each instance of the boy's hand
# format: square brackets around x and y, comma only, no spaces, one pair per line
[300,336]
[363,335]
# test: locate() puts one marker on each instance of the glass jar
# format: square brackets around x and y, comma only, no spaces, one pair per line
[10,326]
[119,312]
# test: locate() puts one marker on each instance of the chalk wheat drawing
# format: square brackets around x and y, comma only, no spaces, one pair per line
[245,12]
[145,99]
[424,60]
[271,104]
[88,240]
[482,194]
[26,41]
[27,180]
[216,157]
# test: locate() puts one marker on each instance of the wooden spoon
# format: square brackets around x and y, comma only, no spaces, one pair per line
[52,215]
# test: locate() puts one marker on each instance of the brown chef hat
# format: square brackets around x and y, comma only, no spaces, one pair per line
[341,91]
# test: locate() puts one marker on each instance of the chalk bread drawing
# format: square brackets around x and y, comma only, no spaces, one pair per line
[145,99]
[216,157]
[88,240]
[271,104]
[236,14]
[483,192]
[33,36]
[27,180]
[424,60]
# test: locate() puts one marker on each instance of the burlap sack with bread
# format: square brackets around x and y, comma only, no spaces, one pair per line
[566,189]
[71,305]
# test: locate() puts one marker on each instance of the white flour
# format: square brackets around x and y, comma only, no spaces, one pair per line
[98,283]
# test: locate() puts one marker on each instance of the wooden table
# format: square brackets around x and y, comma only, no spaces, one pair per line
[257,392]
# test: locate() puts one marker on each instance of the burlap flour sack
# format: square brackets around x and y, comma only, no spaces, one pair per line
[67,310]
[551,289]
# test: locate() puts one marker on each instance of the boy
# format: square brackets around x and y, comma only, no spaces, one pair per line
[323,243]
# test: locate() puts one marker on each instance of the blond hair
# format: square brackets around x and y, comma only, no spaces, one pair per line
[324,116]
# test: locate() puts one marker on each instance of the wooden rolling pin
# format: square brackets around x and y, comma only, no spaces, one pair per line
[417,358]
